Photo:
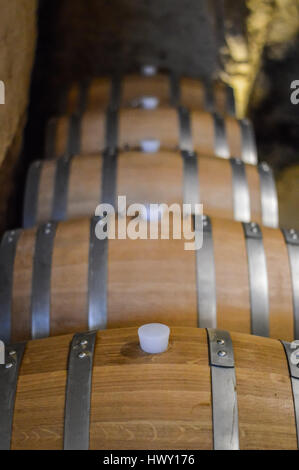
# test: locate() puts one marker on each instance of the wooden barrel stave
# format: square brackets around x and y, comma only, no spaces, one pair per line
[140,401]
[207,133]
[152,178]
[147,273]
[189,92]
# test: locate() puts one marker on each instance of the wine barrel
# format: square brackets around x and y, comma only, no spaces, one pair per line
[210,390]
[60,278]
[148,91]
[73,187]
[163,128]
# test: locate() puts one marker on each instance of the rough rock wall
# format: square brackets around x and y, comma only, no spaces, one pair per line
[250,27]
[260,58]
[276,121]
[17,48]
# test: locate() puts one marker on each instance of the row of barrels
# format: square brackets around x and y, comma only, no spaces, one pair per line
[59,278]
[150,111]
[150,130]
[158,139]
[149,89]
[73,186]
[210,390]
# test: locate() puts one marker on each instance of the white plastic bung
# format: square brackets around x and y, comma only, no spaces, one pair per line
[149,102]
[149,70]
[154,338]
[150,145]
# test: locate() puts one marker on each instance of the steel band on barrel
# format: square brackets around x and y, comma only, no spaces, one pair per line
[62,174]
[224,391]
[241,197]
[191,181]
[31,194]
[291,355]
[9,373]
[258,279]
[205,279]
[249,151]
[230,100]
[8,249]
[97,278]
[78,392]
[269,200]
[186,143]
[41,280]
[221,143]
[291,237]
[111,131]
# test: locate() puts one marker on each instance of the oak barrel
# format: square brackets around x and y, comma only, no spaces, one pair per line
[60,278]
[154,90]
[210,389]
[164,128]
[73,187]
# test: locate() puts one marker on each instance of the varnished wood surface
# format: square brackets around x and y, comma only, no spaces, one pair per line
[69,280]
[85,186]
[146,179]
[216,187]
[46,191]
[231,271]
[152,280]
[279,284]
[158,273]
[22,286]
[135,125]
[163,401]
[133,87]
[254,188]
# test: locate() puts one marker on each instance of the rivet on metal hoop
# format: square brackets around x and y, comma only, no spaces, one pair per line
[9,365]
[265,166]
[81,355]
[253,227]
[293,234]
[222,353]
